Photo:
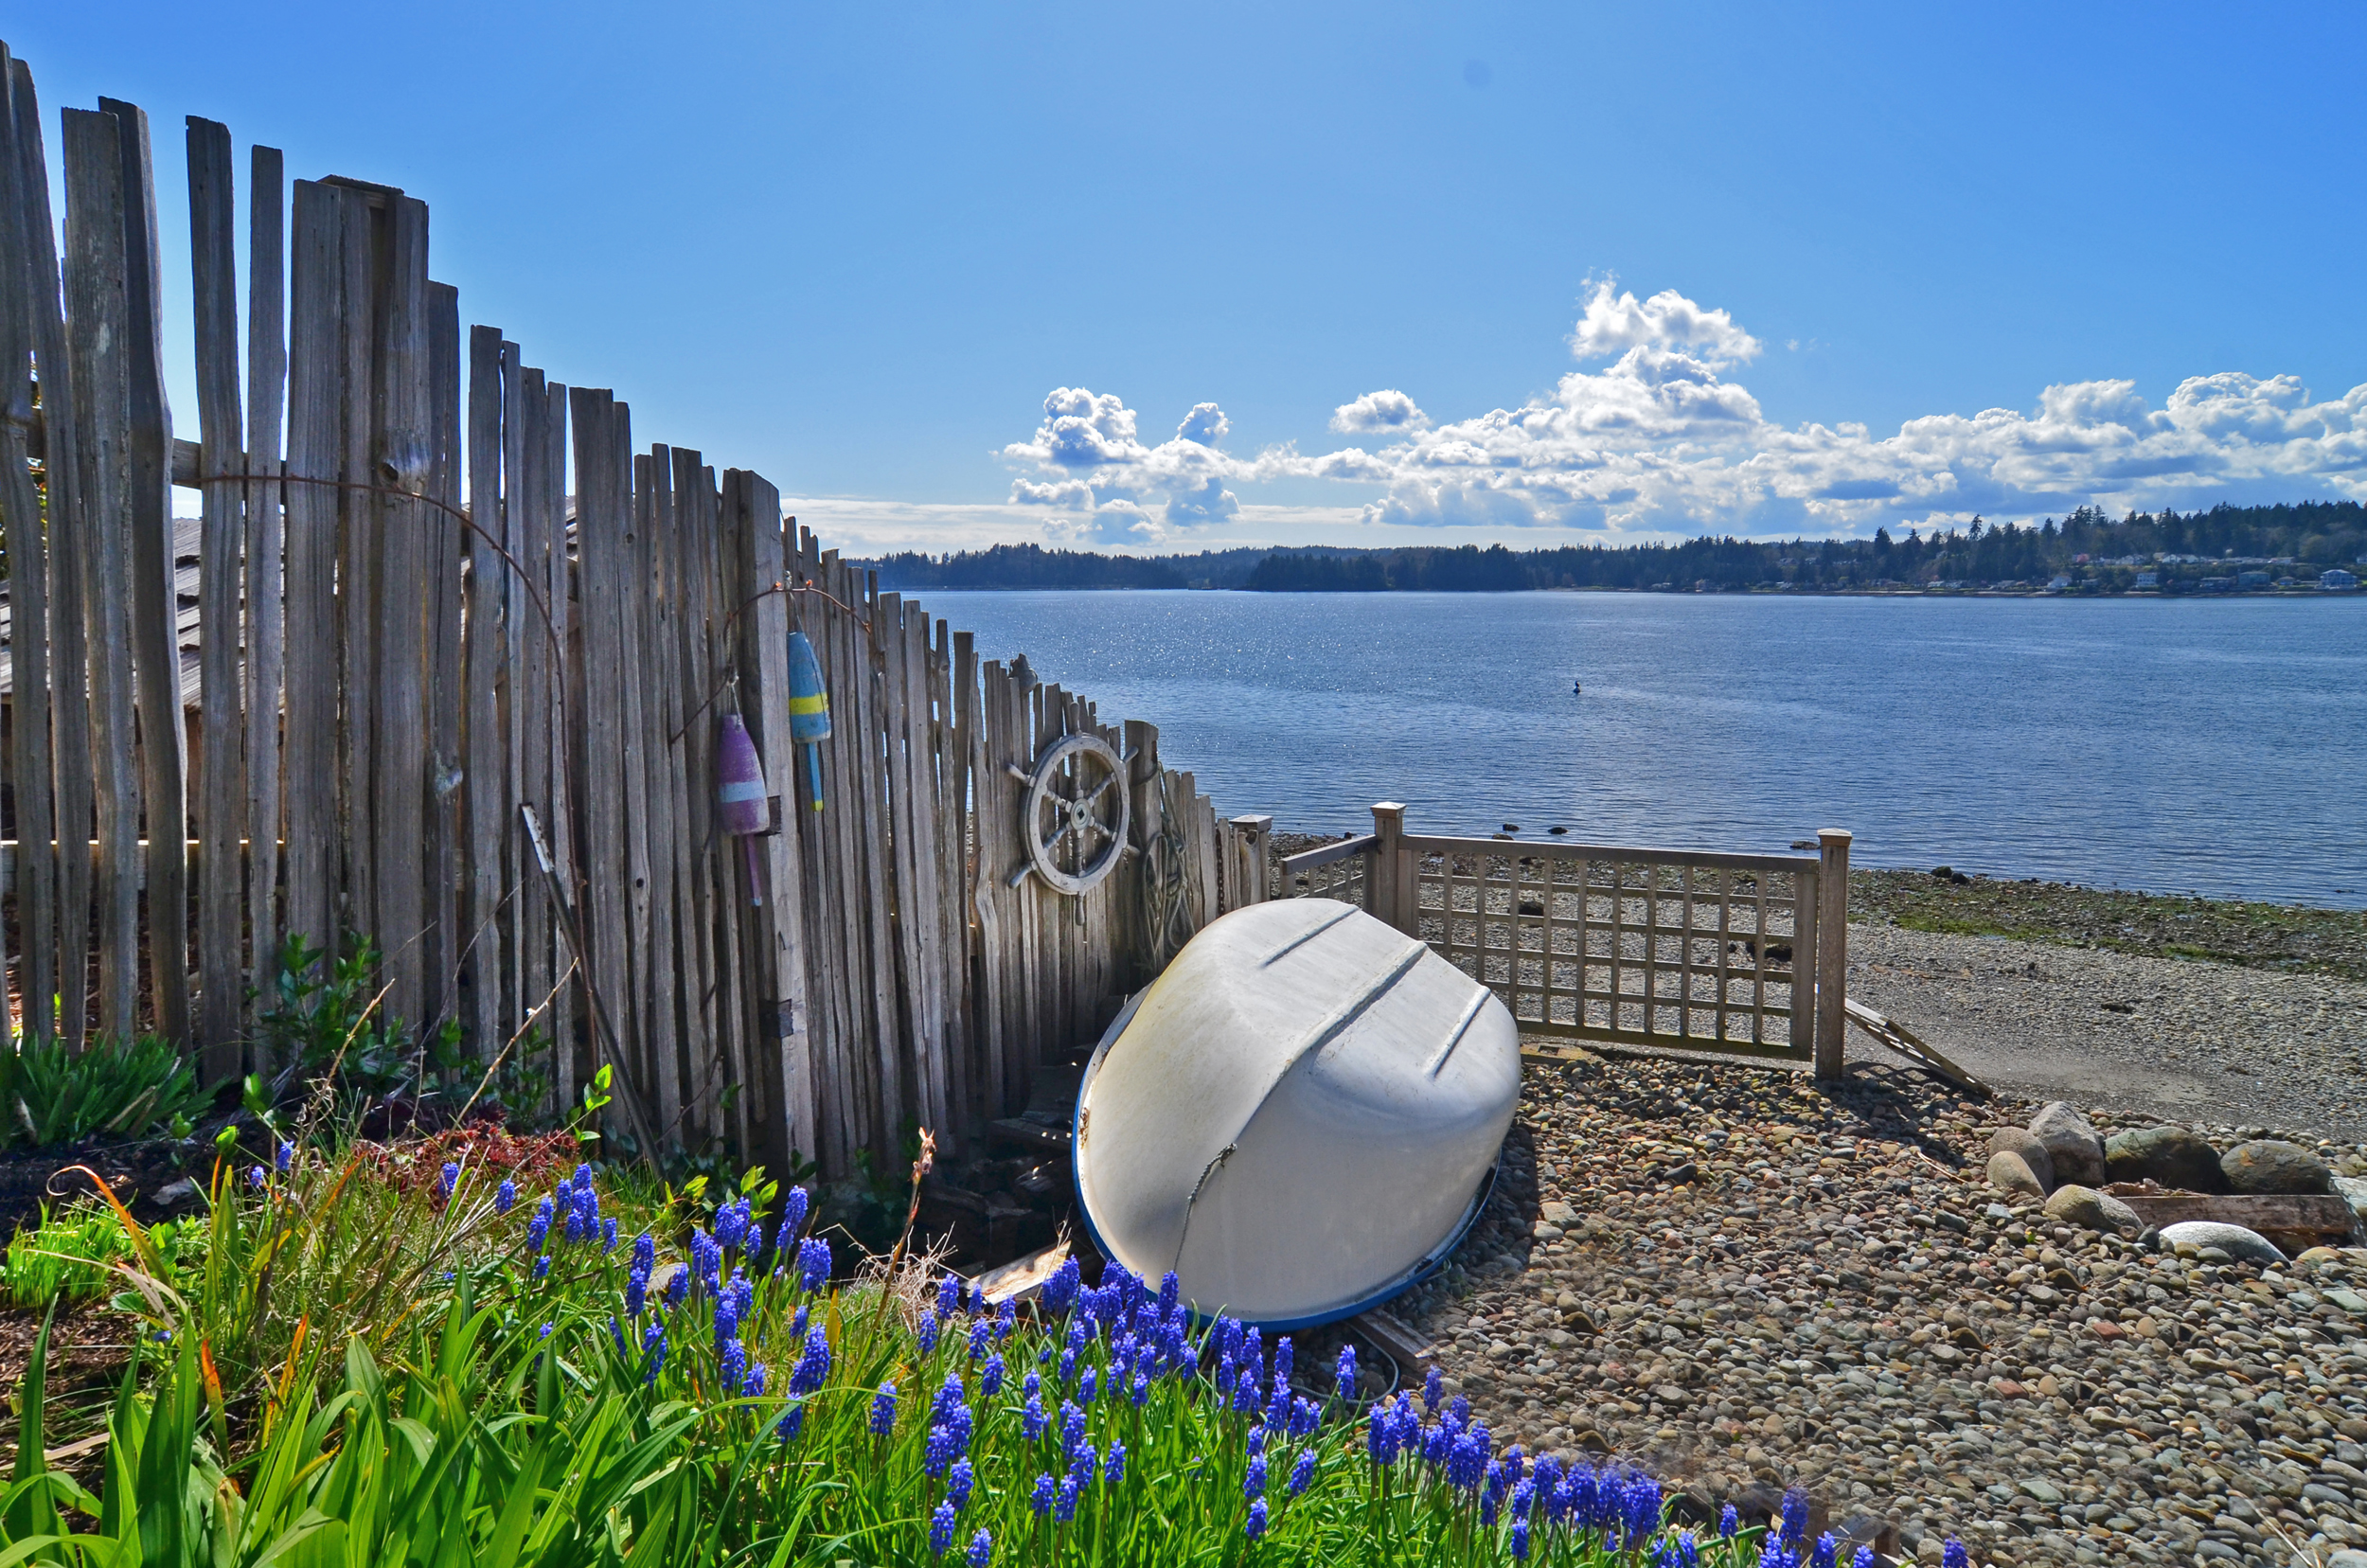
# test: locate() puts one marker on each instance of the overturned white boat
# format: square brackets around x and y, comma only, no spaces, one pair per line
[1299,1116]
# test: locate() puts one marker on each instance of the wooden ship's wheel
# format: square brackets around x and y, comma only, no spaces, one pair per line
[1076,816]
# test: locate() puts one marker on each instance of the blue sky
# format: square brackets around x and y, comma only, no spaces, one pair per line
[952,272]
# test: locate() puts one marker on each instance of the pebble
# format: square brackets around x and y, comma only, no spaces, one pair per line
[1837,1299]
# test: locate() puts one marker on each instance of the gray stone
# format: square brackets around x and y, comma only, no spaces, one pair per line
[2089,1209]
[2175,1157]
[2347,1558]
[2022,1141]
[2240,1244]
[2354,1192]
[2077,1152]
[2270,1166]
[2010,1173]
[1554,1212]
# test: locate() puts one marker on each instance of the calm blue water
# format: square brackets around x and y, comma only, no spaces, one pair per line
[2216,746]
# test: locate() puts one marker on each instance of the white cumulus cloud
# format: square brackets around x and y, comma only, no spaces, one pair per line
[1663,441]
[1387,412]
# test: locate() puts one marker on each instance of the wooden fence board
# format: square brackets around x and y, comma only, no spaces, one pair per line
[264,581]
[27,272]
[490,812]
[356,588]
[599,529]
[447,549]
[636,1007]
[155,619]
[97,310]
[316,445]
[399,755]
[222,799]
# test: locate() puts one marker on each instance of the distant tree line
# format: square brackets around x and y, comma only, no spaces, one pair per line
[2093,551]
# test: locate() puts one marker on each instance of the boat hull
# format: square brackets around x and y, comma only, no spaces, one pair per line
[1298,1116]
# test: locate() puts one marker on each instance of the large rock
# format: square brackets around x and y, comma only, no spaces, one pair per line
[2077,1152]
[2011,1174]
[2018,1140]
[2243,1246]
[2354,1192]
[2273,1166]
[2175,1157]
[2089,1209]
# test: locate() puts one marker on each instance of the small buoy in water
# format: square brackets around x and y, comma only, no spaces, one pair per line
[1512,827]
[1557,832]
[1575,687]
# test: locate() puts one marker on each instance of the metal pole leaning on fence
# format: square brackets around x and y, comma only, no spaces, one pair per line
[1832,949]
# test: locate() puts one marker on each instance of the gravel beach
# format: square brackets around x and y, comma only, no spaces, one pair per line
[2179,1038]
[1745,1281]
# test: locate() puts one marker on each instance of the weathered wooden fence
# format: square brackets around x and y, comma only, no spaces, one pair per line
[1687,949]
[460,651]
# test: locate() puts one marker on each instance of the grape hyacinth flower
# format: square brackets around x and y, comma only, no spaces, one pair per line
[1060,1292]
[813,1264]
[752,1386]
[1729,1522]
[1255,1526]
[1523,1498]
[678,1286]
[1794,1524]
[1141,1391]
[793,1214]
[542,1268]
[957,1485]
[981,1549]
[1040,1498]
[1086,1386]
[732,1366]
[884,1410]
[793,1420]
[1068,1364]
[645,1252]
[1032,1384]
[990,1377]
[949,1295]
[1434,1388]
[257,1178]
[814,1367]
[1064,1502]
[1865,1558]
[1953,1555]
[1114,1471]
[1827,1553]
[1303,1472]
[1343,1375]
[941,1529]
[653,1348]
[446,1180]
[1031,1419]
[505,1195]
[284,1156]
[608,1236]
[978,1334]
[927,1336]
[1254,1482]
[546,1333]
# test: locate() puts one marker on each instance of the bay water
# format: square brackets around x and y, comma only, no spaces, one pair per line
[2216,746]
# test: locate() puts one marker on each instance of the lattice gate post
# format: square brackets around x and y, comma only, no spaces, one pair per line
[1389,892]
[1832,949]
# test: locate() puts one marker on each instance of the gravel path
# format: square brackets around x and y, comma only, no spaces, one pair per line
[1757,1283]
[2178,1038]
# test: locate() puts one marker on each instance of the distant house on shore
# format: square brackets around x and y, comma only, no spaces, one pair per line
[2335,580]
[2252,579]
[2056,583]
[2147,580]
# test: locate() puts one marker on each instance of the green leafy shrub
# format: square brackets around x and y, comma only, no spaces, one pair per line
[71,1257]
[51,1096]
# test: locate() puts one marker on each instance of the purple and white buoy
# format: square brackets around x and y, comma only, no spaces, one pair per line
[741,800]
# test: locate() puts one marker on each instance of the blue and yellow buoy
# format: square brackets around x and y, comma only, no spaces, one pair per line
[808,708]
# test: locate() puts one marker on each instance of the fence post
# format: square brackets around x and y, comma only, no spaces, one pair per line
[1254,831]
[1832,949]
[1380,882]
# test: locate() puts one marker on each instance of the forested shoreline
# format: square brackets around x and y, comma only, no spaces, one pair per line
[2226,548]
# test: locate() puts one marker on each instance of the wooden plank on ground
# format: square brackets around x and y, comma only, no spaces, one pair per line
[28,271]
[155,641]
[264,581]
[2284,1220]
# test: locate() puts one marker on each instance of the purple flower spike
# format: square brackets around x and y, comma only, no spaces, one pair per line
[981,1550]
[883,1411]
[1254,1526]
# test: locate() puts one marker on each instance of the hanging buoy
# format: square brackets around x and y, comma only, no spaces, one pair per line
[808,709]
[741,798]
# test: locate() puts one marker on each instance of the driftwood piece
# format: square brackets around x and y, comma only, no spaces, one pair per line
[1888,1032]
